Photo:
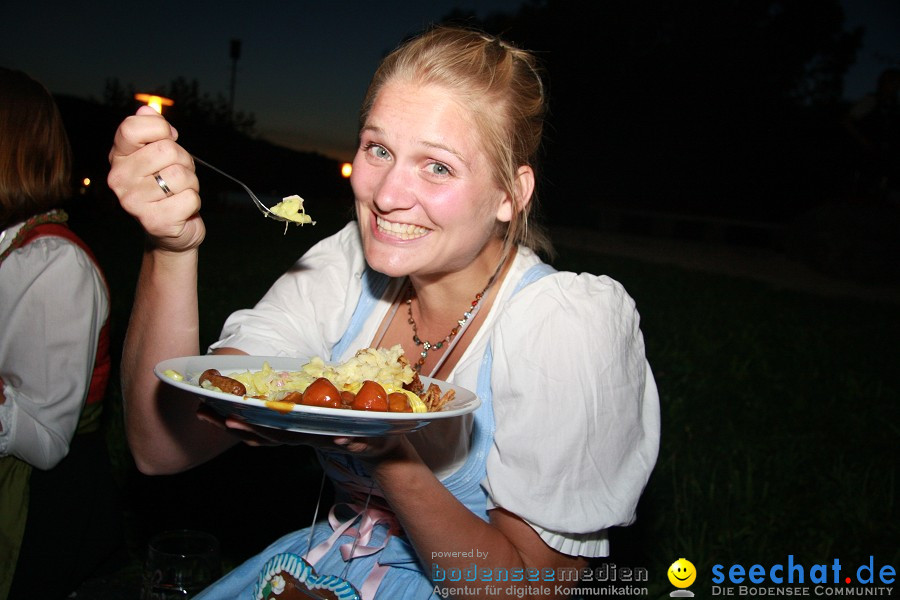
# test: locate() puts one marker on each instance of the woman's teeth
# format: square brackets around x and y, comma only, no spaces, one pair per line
[404,231]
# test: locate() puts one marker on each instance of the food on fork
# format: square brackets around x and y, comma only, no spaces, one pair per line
[291,208]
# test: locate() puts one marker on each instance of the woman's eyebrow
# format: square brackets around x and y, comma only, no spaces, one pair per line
[447,148]
[371,129]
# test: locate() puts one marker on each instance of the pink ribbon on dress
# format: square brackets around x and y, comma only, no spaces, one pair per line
[368,517]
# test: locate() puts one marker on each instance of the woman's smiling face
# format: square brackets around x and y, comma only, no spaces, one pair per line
[426,201]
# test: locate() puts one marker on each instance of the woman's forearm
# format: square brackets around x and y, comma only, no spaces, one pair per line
[448,536]
[163,432]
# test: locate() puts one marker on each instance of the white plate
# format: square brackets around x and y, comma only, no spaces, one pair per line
[305,419]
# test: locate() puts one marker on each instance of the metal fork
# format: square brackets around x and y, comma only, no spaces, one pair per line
[262,207]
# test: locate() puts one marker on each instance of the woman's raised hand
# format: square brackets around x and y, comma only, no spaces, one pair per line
[155,181]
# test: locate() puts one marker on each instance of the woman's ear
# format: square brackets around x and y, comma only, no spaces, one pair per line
[524,189]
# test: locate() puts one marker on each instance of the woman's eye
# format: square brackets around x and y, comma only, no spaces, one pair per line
[439,169]
[377,151]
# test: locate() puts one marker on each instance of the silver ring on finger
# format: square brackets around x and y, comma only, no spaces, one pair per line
[162,184]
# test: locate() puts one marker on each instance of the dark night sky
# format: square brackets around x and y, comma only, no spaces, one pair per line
[304,65]
[302,73]
[881,44]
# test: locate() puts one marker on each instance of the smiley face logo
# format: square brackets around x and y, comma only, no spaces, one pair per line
[682,573]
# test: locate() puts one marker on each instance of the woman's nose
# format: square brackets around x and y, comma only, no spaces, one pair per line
[394,190]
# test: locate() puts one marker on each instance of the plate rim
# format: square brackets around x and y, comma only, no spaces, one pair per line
[159,369]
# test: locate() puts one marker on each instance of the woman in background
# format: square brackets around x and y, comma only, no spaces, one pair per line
[58,510]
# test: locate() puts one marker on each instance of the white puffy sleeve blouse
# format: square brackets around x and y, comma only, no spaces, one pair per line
[53,303]
[576,410]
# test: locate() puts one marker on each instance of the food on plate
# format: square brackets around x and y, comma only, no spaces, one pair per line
[174,375]
[373,380]
[212,378]
[291,208]
[372,396]
[321,392]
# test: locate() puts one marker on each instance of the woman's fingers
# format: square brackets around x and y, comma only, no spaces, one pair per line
[166,216]
[144,127]
[144,161]
[154,179]
[145,144]
[352,445]
[371,447]
[266,436]
[254,435]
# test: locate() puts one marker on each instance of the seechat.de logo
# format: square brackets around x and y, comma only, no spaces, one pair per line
[795,578]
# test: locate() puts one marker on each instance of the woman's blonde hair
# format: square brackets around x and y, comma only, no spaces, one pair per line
[501,86]
[35,156]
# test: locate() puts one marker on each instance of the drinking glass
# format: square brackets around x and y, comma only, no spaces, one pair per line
[180,564]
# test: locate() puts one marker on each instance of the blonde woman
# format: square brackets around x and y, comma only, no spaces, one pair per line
[442,251]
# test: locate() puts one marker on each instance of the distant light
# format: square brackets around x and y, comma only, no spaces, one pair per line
[86,182]
[153,101]
[346,170]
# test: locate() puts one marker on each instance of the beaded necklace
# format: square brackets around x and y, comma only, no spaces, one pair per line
[460,326]
[54,216]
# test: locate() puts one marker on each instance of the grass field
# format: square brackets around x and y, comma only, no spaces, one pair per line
[780,412]
[780,422]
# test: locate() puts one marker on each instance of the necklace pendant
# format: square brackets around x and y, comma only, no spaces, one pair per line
[460,324]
